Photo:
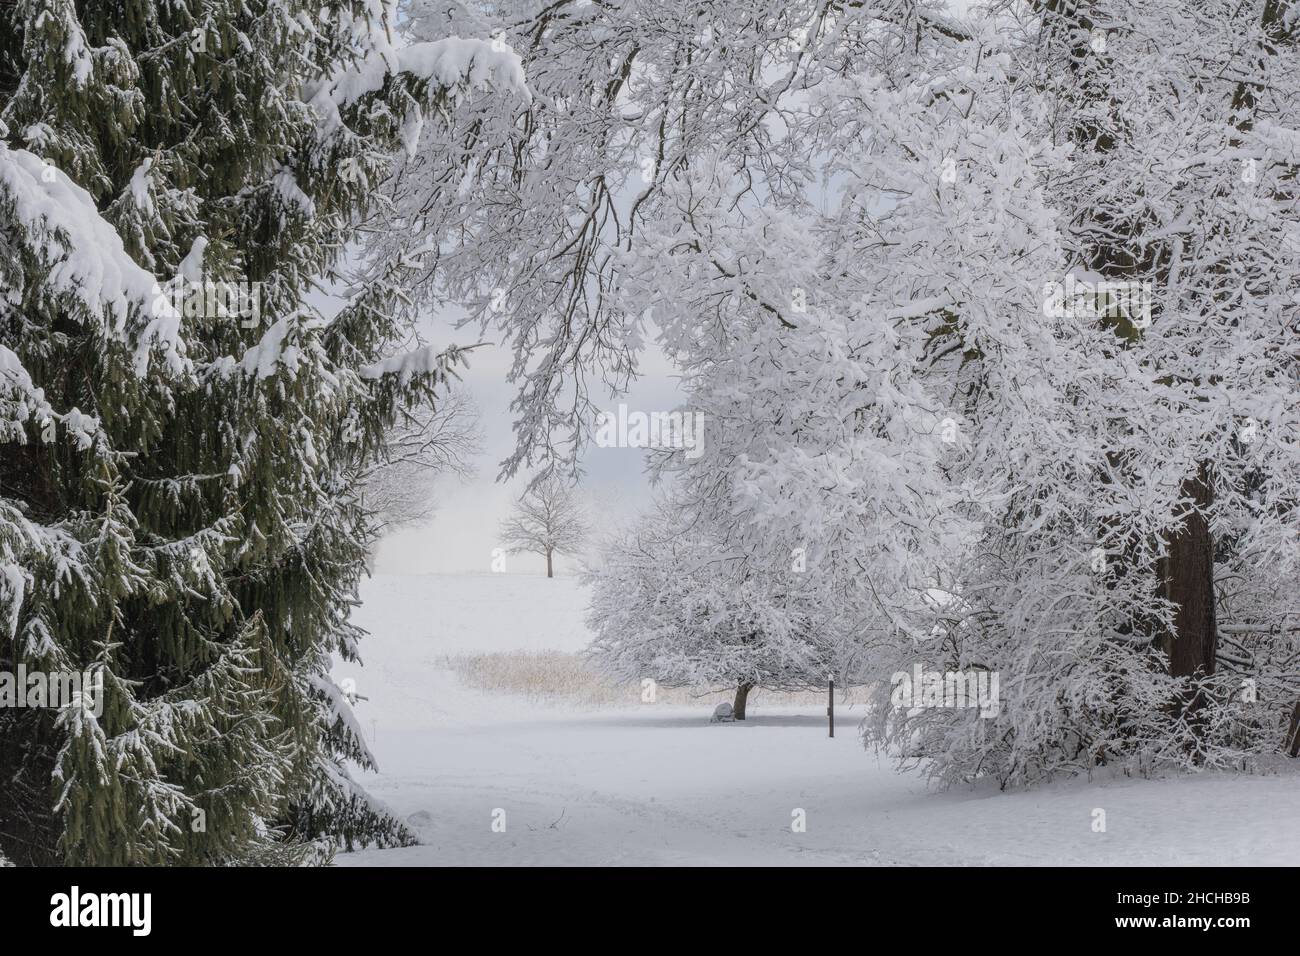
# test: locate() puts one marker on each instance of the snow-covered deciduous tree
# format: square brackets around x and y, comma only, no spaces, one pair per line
[425,443]
[994,319]
[627,98]
[670,604]
[179,505]
[548,519]
[1165,447]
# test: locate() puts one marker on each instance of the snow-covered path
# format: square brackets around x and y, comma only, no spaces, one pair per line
[657,784]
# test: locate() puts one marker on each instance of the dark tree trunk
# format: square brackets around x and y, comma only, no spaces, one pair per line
[1292,744]
[548,564]
[742,695]
[1188,583]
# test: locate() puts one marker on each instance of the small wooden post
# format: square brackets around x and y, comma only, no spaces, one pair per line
[830,706]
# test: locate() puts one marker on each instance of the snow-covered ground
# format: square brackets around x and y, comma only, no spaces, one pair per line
[658,784]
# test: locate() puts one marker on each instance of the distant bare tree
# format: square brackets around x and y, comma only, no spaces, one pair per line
[426,443]
[548,519]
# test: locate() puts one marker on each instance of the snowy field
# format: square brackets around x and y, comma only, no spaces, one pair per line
[646,784]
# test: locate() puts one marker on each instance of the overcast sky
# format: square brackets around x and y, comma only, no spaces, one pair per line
[463,533]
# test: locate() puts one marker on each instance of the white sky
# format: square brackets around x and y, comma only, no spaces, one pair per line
[463,533]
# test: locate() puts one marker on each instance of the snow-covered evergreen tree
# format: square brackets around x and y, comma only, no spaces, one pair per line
[178,504]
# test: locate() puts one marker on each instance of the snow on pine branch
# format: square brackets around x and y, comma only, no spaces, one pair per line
[425,360]
[22,401]
[337,704]
[86,258]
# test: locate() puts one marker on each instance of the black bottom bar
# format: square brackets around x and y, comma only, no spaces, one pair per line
[360,906]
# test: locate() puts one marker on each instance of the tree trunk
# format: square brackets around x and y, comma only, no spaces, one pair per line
[548,564]
[1293,735]
[1188,583]
[742,695]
